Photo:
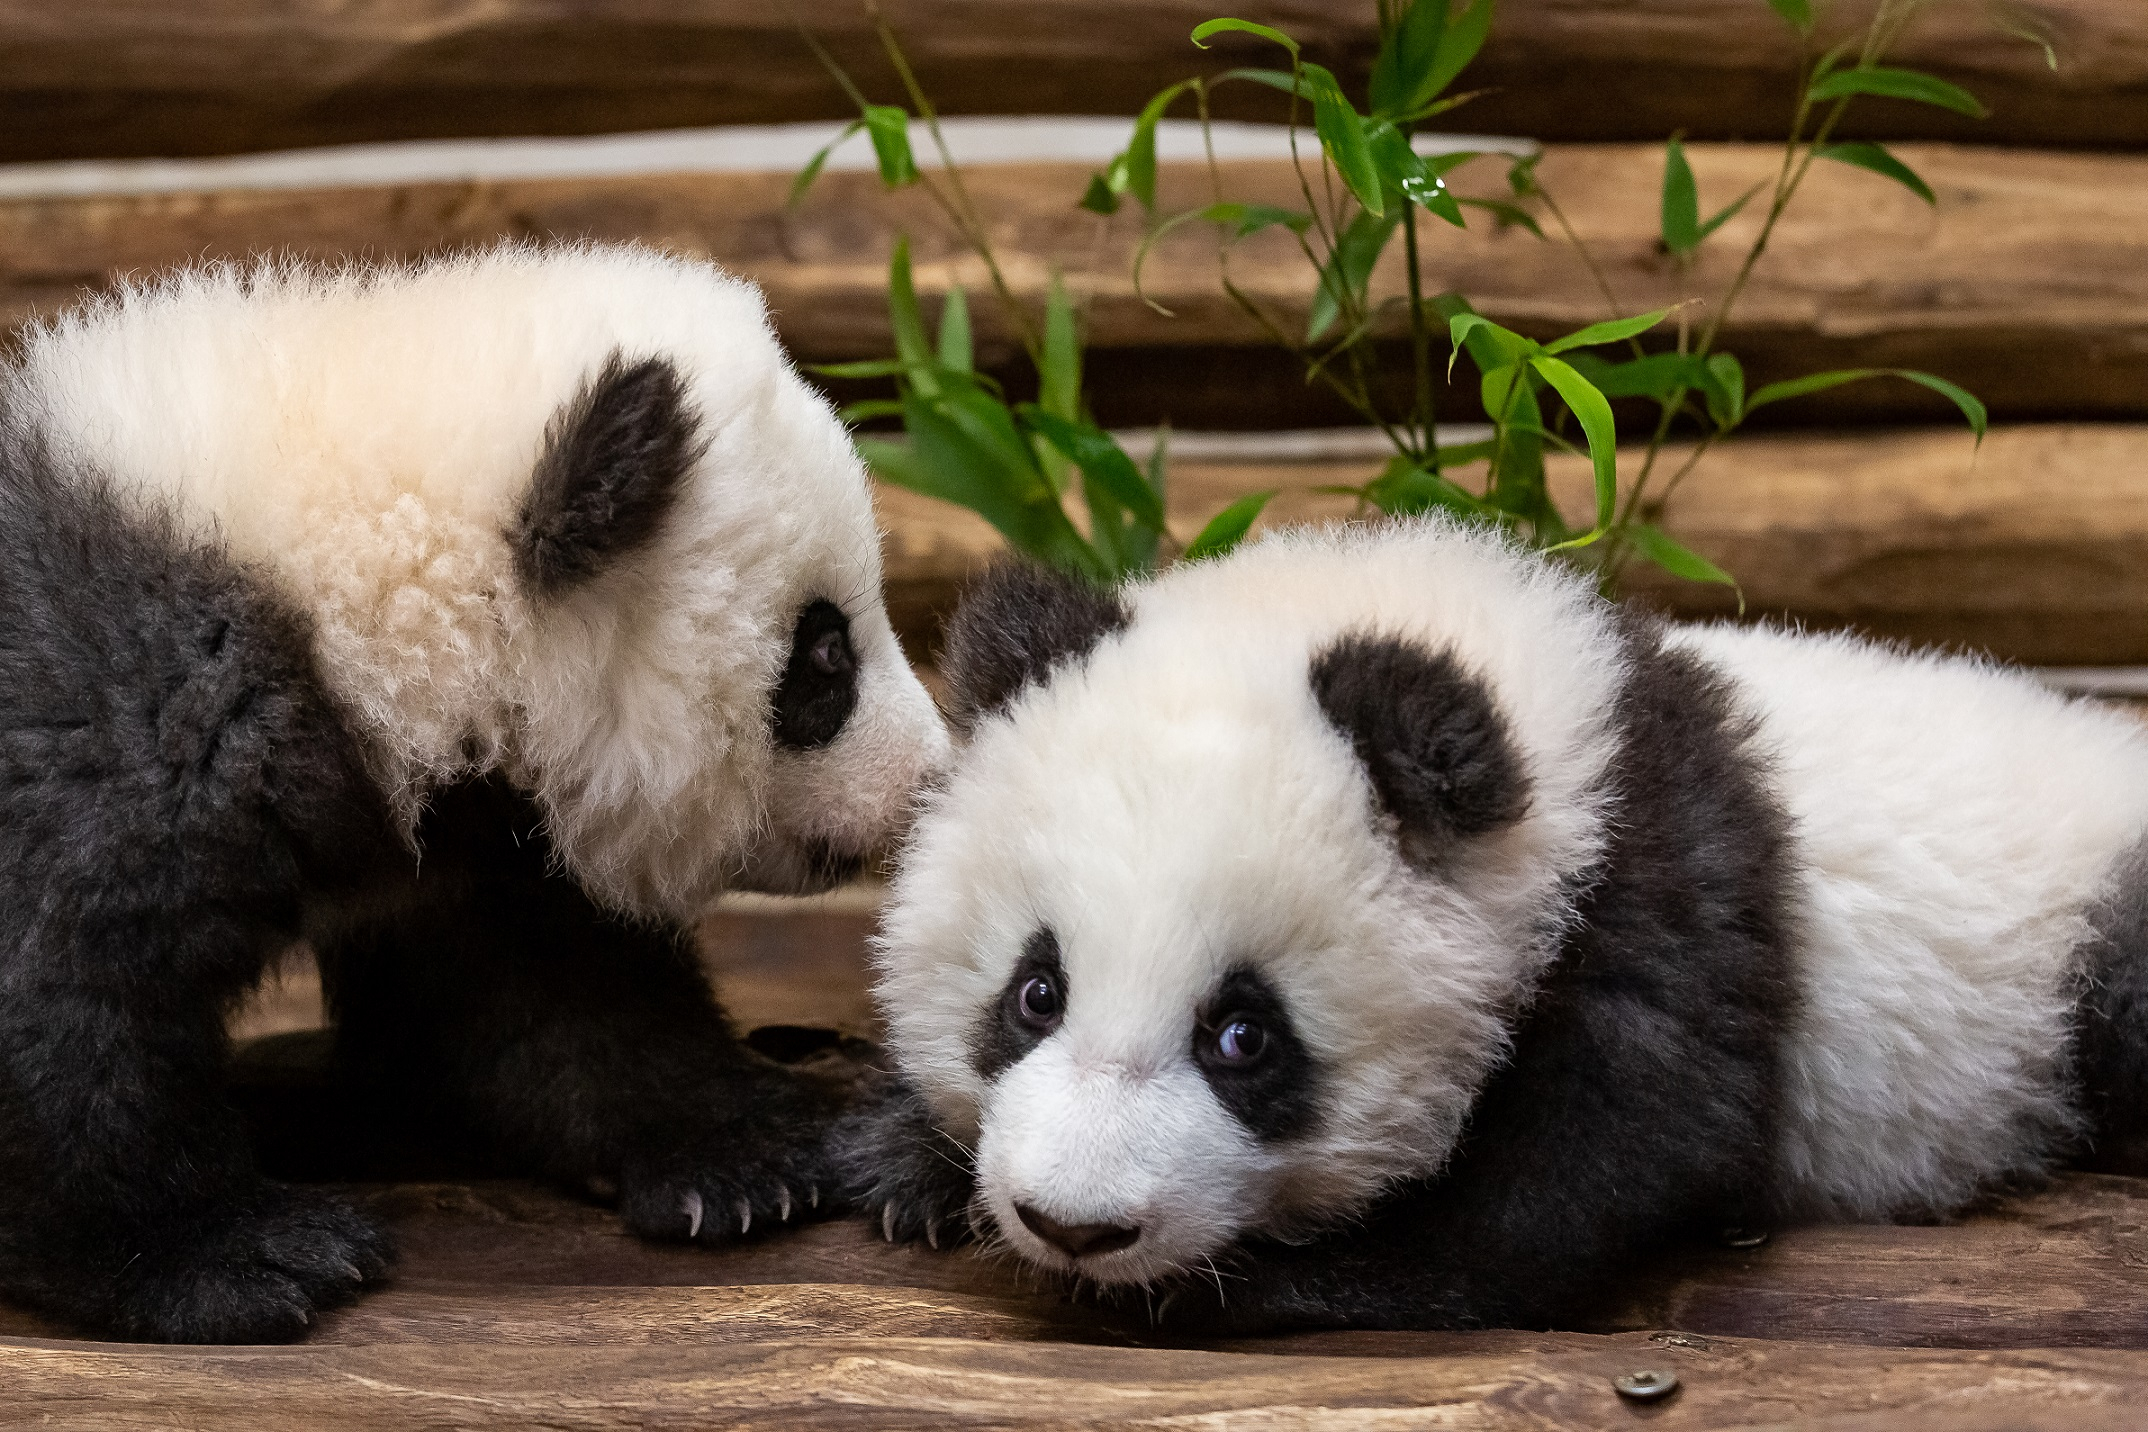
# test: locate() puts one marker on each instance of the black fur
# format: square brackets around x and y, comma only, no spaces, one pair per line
[1276,1095]
[819,686]
[1002,1037]
[180,801]
[1430,737]
[910,1179]
[174,784]
[1016,625]
[2109,1054]
[612,462]
[499,1002]
[1641,1096]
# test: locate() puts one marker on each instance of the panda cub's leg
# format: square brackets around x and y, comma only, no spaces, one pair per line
[569,1041]
[910,1178]
[173,784]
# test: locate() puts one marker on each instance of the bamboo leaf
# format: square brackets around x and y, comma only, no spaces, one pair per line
[1972,409]
[1729,212]
[1616,330]
[1059,376]
[1471,329]
[1594,414]
[1347,275]
[1797,14]
[1405,60]
[1681,201]
[1464,36]
[956,353]
[908,323]
[1506,213]
[1100,459]
[1888,83]
[1208,30]
[1141,149]
[1227,528]
[889,128]
[818,162]
[1099,198]
[1672,557]
[1342,135]
[1875,157]
[1726,396]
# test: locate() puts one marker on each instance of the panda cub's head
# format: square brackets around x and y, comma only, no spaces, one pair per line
[1220,921]
[567,513]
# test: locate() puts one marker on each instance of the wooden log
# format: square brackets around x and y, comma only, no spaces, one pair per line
[2029,283]
[134,77]
[2034,548]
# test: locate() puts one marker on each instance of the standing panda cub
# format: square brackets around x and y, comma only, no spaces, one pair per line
[478,622]
[1375,928]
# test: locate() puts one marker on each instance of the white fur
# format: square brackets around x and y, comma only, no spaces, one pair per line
[1954,822]
[363,437]
[1178,805]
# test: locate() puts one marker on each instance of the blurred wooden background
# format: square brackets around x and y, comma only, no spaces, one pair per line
[2028,283]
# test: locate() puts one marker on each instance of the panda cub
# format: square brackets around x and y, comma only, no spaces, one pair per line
[477,622]
[1376,928]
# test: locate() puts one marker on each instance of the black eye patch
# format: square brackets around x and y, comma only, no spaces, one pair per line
[1028,1008]
[1245,1047]
[819,688]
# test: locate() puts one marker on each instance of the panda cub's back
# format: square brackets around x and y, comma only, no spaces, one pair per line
[1955,825]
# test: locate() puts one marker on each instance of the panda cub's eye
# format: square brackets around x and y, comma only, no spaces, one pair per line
[819,686]
[1038,1003]
[1238,1042]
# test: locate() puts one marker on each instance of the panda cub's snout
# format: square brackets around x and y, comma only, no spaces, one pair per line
[1124,1148]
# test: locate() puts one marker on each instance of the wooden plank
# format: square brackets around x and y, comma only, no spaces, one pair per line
[911,1381]
[136,77]
[2034,548]
[2029,283]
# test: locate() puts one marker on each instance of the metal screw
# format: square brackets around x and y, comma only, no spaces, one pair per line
[1645,1386]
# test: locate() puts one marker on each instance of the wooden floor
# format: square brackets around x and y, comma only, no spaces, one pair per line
[515,1306]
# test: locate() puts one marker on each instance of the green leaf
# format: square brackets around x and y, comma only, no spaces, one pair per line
[869,368]
[1342,135]
[1729,211]
[1889,83]
[1726,396]
[1866,155]
[907,321]
[956,354]
[1485,340]
[944,459]
[1408,174]
[1403,489]
[1462,454]
[1059,376]
[1283,80]
[1616,330]
[1796,13]
[1658,375]
[866,409]
[1347,275]
[1971,408]
[1100,459]
[889,128]
[1241,219]
[1227,528]
[1141,149]
[1681,201]
[1594,414]
[1465,35]
[1506,213]
[1141,542]
[1405,60]
[1098,197]
[1521,175]
[1679,561]
[819,161]
[1208,30]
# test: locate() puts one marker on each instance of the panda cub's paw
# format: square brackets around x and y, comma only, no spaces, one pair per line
[759,1170]
[256,1273]
[912,1181]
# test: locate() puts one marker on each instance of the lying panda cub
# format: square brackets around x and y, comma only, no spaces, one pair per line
[1376,928]
[479,622]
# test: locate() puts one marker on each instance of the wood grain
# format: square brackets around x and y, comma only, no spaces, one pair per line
[137,77]
[2028,283]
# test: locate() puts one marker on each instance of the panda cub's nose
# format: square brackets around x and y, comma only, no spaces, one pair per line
[1077,1239]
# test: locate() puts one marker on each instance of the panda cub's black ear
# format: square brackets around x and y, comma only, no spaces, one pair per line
[1015,625]
[612,463]
[1431,738]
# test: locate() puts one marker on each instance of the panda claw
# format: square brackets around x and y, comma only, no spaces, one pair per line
[887,1222]
[813,1194]
[745,1216]
[351,1271]
[932,1232]
[690,1205]
[784,1207]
